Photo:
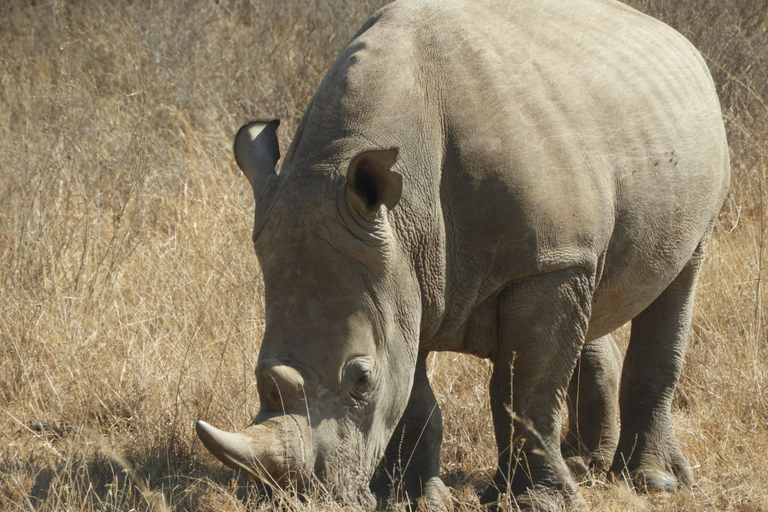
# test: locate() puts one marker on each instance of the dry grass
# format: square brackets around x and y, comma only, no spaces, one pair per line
[130,300]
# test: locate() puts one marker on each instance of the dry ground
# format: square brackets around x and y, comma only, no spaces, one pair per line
[131,303]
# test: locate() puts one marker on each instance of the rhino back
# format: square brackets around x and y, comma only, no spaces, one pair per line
[535,135]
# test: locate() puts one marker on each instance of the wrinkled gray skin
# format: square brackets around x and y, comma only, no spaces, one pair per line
[510,179]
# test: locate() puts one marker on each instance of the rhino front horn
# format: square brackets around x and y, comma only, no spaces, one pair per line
[234,450]
[266,452]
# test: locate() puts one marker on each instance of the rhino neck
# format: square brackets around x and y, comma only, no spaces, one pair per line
[375,79]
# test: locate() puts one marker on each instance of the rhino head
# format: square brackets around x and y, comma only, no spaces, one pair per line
[342,319]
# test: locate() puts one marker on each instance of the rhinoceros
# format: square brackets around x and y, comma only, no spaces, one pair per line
[513,179]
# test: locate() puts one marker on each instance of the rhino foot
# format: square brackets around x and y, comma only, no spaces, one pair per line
[436,497]
[653,480]
[537,499]
[656,480]
[581,464]
[656,477]
[578,465]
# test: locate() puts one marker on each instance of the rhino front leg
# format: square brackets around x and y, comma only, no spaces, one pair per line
[542,322]
[648,450]
[410,470]
[593,406]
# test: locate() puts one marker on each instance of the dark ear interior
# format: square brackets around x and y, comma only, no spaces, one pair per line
[371,179]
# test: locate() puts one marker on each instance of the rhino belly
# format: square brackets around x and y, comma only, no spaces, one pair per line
[632,279]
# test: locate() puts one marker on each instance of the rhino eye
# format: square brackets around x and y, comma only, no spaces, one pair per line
[359,377]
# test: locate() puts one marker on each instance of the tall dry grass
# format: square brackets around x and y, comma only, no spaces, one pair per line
[130,300]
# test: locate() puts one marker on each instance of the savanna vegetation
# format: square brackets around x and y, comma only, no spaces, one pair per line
[131,303]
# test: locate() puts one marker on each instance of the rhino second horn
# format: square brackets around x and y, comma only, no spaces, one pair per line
[280,386]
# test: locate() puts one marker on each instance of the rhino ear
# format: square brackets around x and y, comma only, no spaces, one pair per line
[372,181]
[257,150]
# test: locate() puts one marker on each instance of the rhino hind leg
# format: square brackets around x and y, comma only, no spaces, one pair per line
[410,470]
[593,430]
[542,322]
[648,451]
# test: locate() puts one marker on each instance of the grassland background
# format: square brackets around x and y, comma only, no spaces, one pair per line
[130,300]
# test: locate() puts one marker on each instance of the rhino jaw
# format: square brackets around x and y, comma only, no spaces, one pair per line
[261,453]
